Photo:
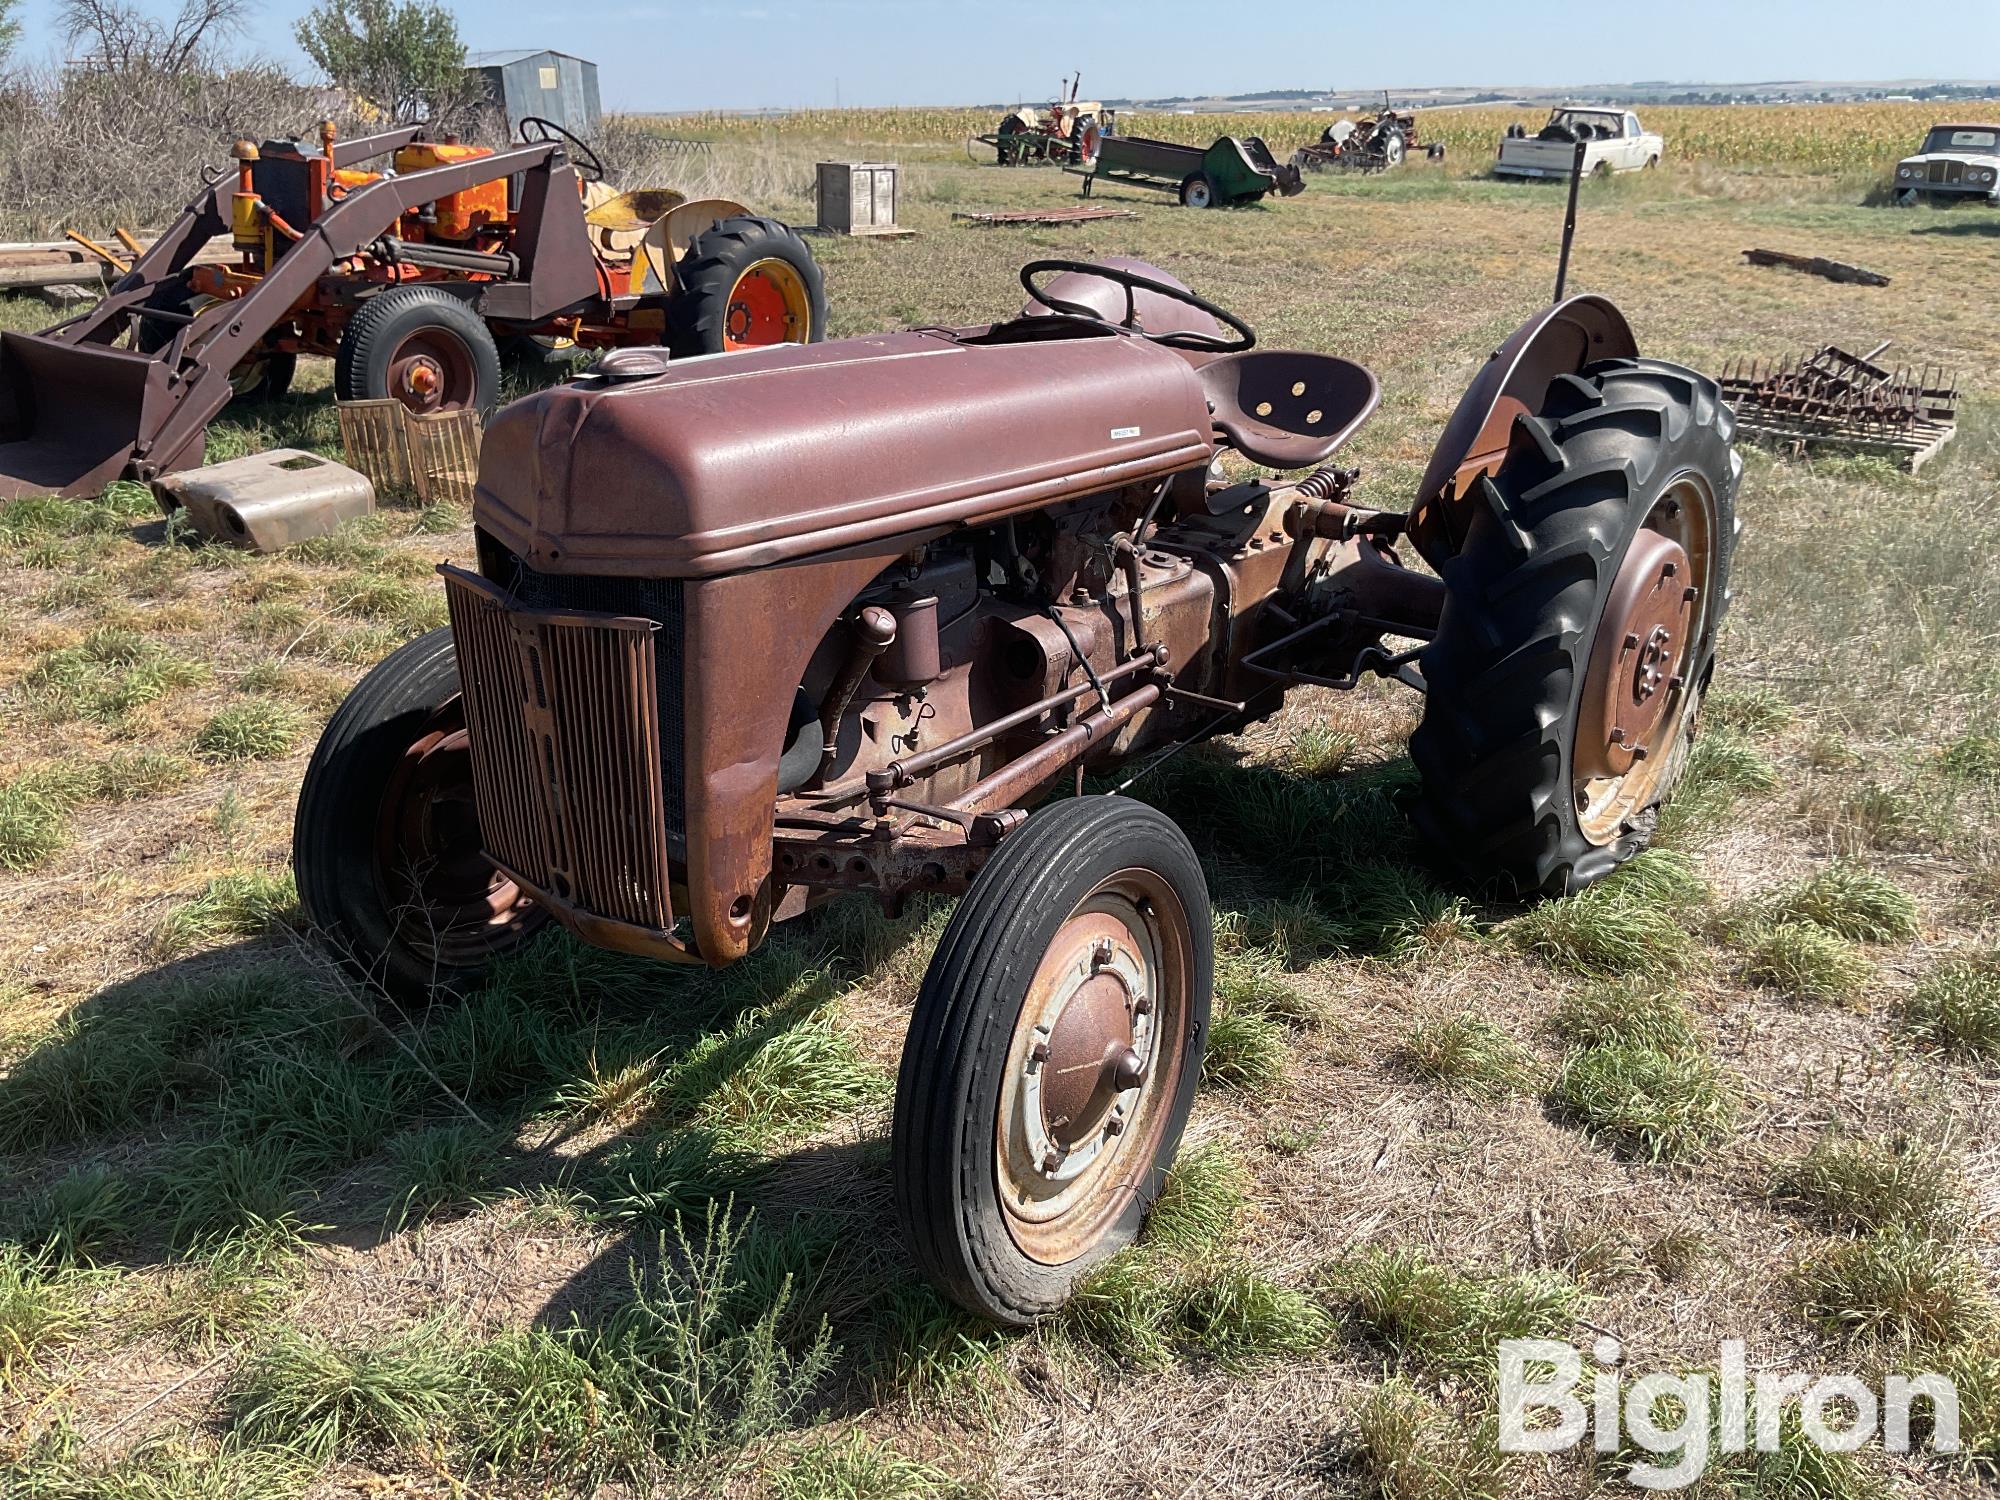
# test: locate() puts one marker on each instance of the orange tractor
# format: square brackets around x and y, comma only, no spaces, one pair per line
[411,276]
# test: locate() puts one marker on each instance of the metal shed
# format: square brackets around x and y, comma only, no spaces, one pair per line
[523,81]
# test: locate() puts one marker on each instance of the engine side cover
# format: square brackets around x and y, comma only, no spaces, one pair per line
[696,467]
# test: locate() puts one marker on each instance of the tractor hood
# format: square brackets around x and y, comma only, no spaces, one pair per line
[696,467]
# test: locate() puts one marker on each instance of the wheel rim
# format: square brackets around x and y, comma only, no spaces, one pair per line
[1638,692]
[768,305]
[432,369]
[1198,195]
[451,905]
[1093,1067]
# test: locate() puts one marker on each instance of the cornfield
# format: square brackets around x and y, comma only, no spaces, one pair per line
[1811,139]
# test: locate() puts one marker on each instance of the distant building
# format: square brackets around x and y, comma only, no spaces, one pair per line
[552,85]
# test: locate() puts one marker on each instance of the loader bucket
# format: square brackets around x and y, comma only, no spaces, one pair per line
[73,415]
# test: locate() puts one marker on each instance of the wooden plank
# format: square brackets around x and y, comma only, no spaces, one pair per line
[1075,214]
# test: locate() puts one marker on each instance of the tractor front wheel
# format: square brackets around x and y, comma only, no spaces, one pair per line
[745,282]
[1579,628]
[422,346]
[264,376]
[1052,1056]
[386,846]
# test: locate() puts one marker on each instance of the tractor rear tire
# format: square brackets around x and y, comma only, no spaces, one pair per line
[744,282]
[386,846]
[1623,459]
[421,346]
[1039,1103]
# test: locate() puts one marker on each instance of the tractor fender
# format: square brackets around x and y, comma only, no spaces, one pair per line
[1514,382]
[668,238]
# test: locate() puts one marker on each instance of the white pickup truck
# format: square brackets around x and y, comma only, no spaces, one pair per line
[1613,142]
[1955,164]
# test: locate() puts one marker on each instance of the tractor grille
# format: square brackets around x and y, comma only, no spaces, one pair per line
[1945,171]
[655,599]
[564,714]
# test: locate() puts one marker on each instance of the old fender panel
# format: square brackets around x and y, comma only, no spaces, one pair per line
[1513,382]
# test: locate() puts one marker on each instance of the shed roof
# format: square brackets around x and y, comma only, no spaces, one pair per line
[506,55]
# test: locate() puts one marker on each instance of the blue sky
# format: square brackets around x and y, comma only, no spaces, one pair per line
[692,54]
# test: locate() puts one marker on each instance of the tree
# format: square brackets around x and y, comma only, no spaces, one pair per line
[119,38]
[402,56]
[10,30]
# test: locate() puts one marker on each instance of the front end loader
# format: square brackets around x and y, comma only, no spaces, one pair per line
[410,277]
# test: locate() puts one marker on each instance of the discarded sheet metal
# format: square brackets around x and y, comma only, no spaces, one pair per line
[430,457]
[1817,265]
[1077,213]
[269,500]
[1832,400]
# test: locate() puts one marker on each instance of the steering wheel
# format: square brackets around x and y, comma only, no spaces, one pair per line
[1132,281]
[585,160]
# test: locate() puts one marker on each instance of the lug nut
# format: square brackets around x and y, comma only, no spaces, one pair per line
[1631,643]
[1039,1053]
[1142,1005]
[1115,1125]
[1100,953]
[1052,1159]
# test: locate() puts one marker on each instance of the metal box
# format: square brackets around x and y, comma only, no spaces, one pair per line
[858,197]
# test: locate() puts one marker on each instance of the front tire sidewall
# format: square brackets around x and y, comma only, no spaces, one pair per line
[949,1087]
[340,802]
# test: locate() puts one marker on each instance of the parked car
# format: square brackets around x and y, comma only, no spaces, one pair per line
[1956,164]
[1613,138]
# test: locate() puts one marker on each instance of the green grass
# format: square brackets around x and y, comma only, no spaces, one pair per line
[1255,981]
[253,729]
[1972,757]
[42,1307]
[1442,1322]
[1645,1103]
[1614,929]
[1470,1055]
[326,1398]
[1232,1313]
[656,1178]
[245,903]
[1957,1007]
[436,1168]
[853,1466]
[1805,961]
[110,672]
[1637,1015]
[36,806]
[1860,1185]
[1248,1053]
[87,1213]
[774,1077]
[930,1353]
[1144,1309]
[1722,766]
[1896,1286]
[1406,1446]
[1202,1196]
[234,1288]
[170,1467]
[1749,710]
[1850,901]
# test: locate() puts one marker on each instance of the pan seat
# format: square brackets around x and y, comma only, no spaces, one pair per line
[1286,408]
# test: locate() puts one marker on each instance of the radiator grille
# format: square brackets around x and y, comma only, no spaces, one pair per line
[655,599]
[1945,171]
[564,720]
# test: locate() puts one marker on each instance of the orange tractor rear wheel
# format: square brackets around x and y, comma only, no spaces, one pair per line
[745,282]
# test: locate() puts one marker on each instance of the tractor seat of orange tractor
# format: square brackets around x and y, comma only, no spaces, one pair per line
[1287,408]
[619,221]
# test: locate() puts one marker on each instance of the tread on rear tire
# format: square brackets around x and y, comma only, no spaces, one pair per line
[1523,597]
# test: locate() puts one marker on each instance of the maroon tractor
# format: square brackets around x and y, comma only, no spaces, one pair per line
[755,631]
